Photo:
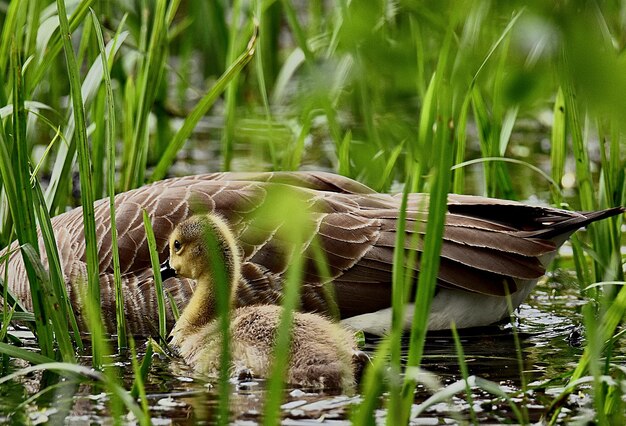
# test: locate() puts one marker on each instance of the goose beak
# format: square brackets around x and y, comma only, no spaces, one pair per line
[166,270]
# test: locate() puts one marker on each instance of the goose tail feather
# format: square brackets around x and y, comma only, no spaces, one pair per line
[566,227]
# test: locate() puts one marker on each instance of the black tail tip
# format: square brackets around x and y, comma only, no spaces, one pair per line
[603,214]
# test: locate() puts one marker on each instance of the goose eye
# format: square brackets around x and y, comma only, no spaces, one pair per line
[177,245]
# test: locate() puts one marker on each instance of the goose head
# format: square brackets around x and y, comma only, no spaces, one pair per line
[203,248]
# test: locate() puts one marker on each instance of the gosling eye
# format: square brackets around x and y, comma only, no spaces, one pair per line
[177,246]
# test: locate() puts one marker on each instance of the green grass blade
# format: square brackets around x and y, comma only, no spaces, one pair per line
[56,277]
[293,231]
[57,312]
[373,385]
[291,298]
[485,130]
[398,296]
[110,149]
[321,263]
[73,370]
[156,269]
[594,347]
[558,145]
[141,374]
[583,174]
[223,291]
[26,355]
[201,109]
[343,159]
[267,46]
[144,417]
[298,32]
[20,316]
[608,324]
[148,79]
[494,47]
[56,192]
[16,177]
[293,161]
[87,197]
[173,306]
[425,128]
[464,373]
[388,172]
[12,25]
[458,174]
[429,261]
[519,355]
[459,386]
[51,50]
[232,88]
[535,169]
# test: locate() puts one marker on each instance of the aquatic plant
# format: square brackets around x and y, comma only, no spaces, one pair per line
[432,96]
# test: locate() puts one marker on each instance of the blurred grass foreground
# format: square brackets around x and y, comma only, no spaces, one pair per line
[517,100]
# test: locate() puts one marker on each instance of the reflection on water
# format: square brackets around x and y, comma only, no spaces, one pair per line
[547,328]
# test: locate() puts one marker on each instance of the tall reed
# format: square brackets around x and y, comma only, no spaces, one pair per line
[386,92]
[87,196]
[110,158]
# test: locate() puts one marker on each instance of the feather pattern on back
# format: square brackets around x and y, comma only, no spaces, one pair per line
[488,243]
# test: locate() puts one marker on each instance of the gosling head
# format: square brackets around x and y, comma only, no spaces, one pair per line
[201,244]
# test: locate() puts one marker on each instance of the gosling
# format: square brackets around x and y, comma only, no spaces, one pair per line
[322,354]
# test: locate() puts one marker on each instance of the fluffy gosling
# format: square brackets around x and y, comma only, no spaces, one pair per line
[323,354]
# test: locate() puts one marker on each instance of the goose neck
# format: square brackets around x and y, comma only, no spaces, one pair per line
[202,306]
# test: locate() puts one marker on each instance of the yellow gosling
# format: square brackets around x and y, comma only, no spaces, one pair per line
[321,352]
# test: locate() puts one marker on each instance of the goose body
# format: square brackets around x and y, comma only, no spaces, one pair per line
[489,245]
[321,352]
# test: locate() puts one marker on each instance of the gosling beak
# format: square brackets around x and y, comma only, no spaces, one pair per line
[167,271]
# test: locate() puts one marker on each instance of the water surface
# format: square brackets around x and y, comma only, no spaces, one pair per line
[548,328]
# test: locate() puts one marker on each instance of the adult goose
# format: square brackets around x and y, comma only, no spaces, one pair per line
[490,247]
[321,353]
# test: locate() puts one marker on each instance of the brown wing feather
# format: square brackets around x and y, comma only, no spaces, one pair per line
[486,242]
